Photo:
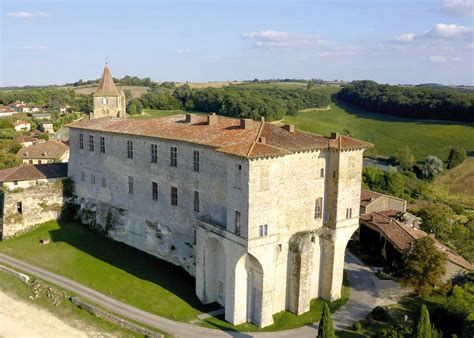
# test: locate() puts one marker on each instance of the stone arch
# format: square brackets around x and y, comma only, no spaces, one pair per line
[249,281]
[214,271]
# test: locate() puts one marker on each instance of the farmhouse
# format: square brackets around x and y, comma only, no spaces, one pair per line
[22,126]
[29,195]
[46,127]
[45,152]
[386,229]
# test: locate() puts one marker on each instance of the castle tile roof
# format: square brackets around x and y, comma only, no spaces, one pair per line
[257,139]
[33,172]
[403,236]
[50,150]
[106,85]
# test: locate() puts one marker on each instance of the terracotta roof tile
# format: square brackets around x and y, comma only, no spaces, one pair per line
[52,149]
[106,85]
[368,196]
[402,236]
[33,172]
[258,139]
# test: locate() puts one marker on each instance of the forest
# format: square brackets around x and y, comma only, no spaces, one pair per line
[420,102]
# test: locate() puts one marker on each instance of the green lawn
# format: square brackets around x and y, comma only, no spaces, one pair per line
[388,133]
[154,113]
[132,276]
[65,310]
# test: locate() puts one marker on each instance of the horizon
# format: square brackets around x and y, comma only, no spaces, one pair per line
[394,42]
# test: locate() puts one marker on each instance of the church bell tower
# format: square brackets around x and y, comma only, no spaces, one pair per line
[108,100]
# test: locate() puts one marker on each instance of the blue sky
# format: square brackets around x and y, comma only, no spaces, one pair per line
[417,41]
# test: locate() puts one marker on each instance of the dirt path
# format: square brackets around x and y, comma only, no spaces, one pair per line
[20,319]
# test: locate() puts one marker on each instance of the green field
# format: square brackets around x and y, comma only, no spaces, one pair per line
[388,133]
[132,276]
[153,114]
[458,183]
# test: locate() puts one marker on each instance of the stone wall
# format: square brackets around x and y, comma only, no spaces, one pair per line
[41,201]
[114,107]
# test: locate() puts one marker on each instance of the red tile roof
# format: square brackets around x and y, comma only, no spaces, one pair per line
[403,236]
[368,196]
[52,149]
[257,139]
[17,123]
[33,172]
[106,85]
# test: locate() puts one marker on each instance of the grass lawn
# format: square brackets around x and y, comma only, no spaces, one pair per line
[388,133]
[132,276]
[154,113]
[66,311]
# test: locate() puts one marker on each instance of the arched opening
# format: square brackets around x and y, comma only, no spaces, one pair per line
[254,289]
[214,272]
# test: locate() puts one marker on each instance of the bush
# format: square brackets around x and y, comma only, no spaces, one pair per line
[456,156]
[380,314]
[357,326]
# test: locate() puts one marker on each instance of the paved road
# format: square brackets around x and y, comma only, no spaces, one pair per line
[367,292]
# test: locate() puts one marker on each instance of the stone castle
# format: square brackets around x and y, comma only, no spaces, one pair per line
[260,214]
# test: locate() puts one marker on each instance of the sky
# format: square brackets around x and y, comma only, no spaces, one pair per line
[398,42]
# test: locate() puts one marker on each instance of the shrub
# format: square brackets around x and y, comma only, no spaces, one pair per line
[380,314]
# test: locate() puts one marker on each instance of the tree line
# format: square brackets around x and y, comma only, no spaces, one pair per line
[243,102]
[439,103]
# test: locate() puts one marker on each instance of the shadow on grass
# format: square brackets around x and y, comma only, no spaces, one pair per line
[133,261]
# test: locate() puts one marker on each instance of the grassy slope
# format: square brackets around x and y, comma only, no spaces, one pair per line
[137,91]
[458,183]
[388,133]
[66,311]
[130,275]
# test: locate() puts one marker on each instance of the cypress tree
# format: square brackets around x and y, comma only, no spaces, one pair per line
[422,327]
[325,329]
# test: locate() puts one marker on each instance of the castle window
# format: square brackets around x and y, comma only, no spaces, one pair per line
[130,185]
[348,213]
[92,179]
[318,208]
[173,157]
[321,172]
[91,142]
[262,230]
[102,144]
[196,160]
[154,191]
[174,196]
[238,176]
[237,222]
[81,141]
[104,100]
[104,182]
[83,177]
[154,153]
[19,207]
[15,182]
[129,149]
[196,201]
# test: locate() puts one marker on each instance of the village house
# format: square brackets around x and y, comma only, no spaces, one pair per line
[260,214]
[30,195]
[27,140]
[386,230]
[22,126]
[42,116]
[6,111]
[46,127]
[46,152]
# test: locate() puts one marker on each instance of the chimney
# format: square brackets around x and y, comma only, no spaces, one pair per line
[212,119]
[190,118]
[262,118]
[334,135]
[262,140]
[245,123]
[289,127]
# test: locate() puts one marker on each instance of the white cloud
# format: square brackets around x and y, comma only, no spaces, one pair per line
[408,37]
[27,15]
[439,59]
[183,50]
[458,7]
[277,39]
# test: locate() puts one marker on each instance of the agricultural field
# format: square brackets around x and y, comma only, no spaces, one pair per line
[388,133]
[137,91]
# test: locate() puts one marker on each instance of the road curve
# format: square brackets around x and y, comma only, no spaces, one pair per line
[364,297]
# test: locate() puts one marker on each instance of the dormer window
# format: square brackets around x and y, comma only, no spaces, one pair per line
[104,100]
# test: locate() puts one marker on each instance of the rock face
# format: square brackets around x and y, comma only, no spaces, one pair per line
[28,203]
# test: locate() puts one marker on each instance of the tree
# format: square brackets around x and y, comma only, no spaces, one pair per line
[456,156]
[422,328]
[128,95]
[431,167]
[132,109]
[326,329]
[394,182]
[423,266]
[437,219]
[405,159]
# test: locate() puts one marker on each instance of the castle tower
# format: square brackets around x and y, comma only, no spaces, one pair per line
[108,100]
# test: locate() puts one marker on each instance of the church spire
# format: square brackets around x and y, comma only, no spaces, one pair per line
[106,85]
